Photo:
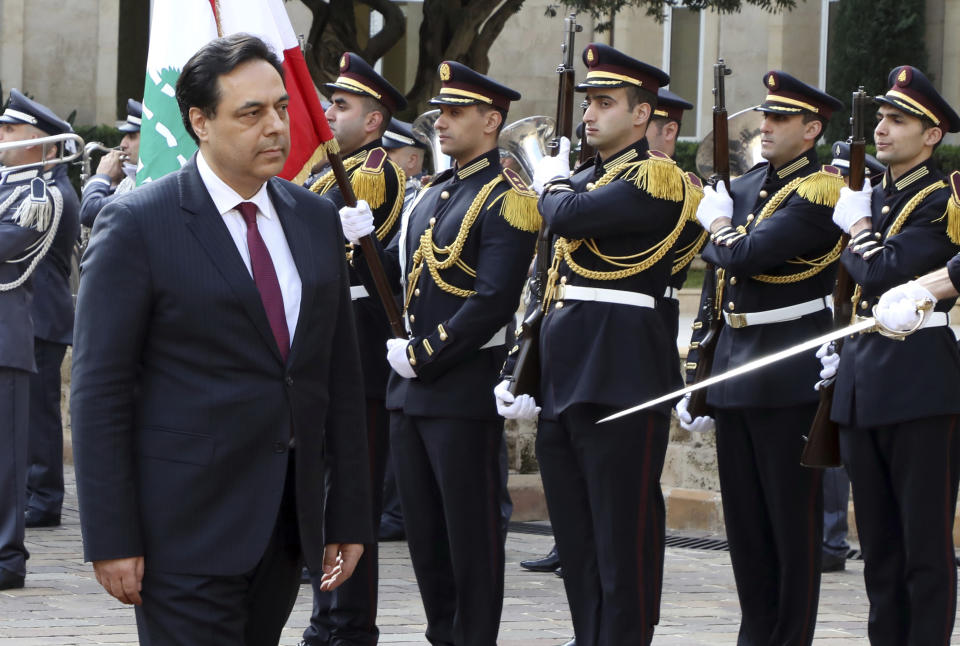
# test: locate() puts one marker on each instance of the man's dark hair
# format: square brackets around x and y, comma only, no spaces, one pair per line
[484,109]
[370,104]
[637,95]
[928,123]
[199,82]
[810,116]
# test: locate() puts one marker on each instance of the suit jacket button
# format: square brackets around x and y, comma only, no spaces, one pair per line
[279,447]
[288,380]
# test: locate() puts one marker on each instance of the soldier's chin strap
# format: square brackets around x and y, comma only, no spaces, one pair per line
[35,212]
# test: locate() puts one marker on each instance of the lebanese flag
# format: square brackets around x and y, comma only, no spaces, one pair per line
[178,28]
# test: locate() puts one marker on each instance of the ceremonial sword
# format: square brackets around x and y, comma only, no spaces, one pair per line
[861,326]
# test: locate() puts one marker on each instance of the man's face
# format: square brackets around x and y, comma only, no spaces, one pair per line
[347,116]
[782,137]
[247,141]
[662,135]
[900,137]
[10,132]
[409,158]
[461,130]
[130,145]
[609,123]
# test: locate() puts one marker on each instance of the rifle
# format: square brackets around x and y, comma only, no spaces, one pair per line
[526,370]
[710,310]
[822,448]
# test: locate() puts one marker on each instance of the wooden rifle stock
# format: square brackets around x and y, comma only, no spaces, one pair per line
[369,251]
[526,367]
[822,449]
[711,312]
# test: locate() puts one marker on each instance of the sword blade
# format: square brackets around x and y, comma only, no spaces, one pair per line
[750,366]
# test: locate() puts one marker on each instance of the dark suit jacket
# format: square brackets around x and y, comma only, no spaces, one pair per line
[52,300]
[182,406]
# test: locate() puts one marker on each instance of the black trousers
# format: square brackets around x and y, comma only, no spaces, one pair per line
[603,492]
[449,480]
[773,511]
[836,501]
[249,609]
[14,418]
[905,480]
[348,615]
[45,447]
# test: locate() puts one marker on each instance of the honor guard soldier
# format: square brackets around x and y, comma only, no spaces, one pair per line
[463,255]
[38,215]
[407,152]
[897,402]
[775,249]
[362,104]
[117,171]
[603,345]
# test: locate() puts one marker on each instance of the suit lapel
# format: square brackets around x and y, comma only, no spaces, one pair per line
[298,239]
[206,224]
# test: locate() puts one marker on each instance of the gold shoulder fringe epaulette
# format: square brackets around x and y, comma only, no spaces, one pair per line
[953,208]
[658,175]
[368,181]
[693,196]
[518,205]
[822,187]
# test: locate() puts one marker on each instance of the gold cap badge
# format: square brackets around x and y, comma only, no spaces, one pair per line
[590,55]
[343,62]
[444,72]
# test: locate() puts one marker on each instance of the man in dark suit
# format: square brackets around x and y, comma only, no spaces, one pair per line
[33,206]
[217,395]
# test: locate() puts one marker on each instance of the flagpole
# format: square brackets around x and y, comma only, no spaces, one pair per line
[369,250]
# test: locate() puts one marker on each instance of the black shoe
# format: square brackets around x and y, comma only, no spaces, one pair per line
[304,575]
[34,518]
[548,563]
[559,572]
[9,580]
[832,563]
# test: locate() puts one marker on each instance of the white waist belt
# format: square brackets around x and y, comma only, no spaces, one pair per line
[600,295]
[936,319]
[788,313]
[358,291]
[670,292]
[499,338]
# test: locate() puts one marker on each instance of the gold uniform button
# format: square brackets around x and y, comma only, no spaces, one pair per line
[876,236]
[733,280]
[413,361]
[864,305]
[433,221]
[563,280]
[514,348]
[763,194]
[413,318]
[559,305]
[445,195]
[750,217]
[731,305]
[443,336]
[885,209]
[416,292]
[590,186]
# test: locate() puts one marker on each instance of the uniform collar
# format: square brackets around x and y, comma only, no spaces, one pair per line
[910,178]
[635,151]
[796,167]
[489,158]
[366,148]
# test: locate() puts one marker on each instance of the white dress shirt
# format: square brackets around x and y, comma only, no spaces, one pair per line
[226,200]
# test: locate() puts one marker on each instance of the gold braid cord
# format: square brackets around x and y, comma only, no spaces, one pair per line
[894,229]
[428,251]
[391,219]
[660,179]
[327,181]
[816,265]
[686,255]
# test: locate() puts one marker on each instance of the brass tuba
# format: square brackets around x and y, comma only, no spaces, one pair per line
[526,141]
[424,131]
[744,129]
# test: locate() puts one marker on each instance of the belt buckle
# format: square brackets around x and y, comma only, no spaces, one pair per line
[559,290]
[736,320]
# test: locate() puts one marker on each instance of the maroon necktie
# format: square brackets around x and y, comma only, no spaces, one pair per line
[265,277]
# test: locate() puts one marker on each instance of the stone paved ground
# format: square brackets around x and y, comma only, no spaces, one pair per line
[63,605]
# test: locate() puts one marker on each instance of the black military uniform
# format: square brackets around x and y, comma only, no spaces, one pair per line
[464,252]
[603,346]
[897,402]
[99,190]
[34,203]
[349,613]
[776,268]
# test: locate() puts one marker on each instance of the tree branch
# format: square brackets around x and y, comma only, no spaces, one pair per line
[394,26]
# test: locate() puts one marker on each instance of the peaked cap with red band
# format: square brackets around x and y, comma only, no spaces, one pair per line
[671,106]
[460,85]
[610,68]
[913,93]
[788,95]
[357,77]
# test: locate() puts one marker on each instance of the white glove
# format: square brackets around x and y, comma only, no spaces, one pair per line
[550,168]
[852,206]
[830,361]
[357,221]
[702,424]
[397,356]
[898,308]
[716,203]
[510,407]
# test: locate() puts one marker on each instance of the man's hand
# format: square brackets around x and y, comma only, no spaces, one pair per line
[899,308]
[703,424]
[550,168]
[357,221]
[112,164]
[716,207]
[339,562]
[510,407]
[852,207]
[397,358]
[121,578]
